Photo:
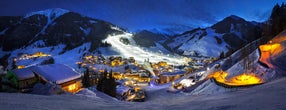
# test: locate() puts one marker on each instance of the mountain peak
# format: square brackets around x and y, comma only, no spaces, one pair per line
[234,17]
[226,24]
[49,12]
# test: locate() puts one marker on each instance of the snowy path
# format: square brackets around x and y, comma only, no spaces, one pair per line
[138,53]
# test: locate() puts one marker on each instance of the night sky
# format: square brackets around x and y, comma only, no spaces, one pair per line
[148,14]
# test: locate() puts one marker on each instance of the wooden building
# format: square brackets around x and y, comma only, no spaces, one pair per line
[62,75]
[24,78]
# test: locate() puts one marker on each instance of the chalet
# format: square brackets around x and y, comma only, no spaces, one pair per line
[129,93]
[23,78]
[122,92]
[59,74]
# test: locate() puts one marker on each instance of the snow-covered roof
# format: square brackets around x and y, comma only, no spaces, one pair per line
[23,74]
[120,89]
[107,67]
[58,73]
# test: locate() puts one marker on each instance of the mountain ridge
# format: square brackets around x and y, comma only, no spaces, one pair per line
[227,36]
[54,26]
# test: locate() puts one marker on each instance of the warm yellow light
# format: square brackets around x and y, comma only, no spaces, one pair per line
[40,54]
[137,89]
[163,64]
[272,48]
[245,79]
[219,76]
[278,39]
[72,87]
[93,68]
[269,50]
[242,79]
[20,67]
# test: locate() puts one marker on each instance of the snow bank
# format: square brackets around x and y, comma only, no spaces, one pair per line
[47,89]
[264,97]
[209,87]
[120,89]
[87,92]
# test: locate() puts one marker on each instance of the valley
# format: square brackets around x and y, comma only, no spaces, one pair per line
[61,59]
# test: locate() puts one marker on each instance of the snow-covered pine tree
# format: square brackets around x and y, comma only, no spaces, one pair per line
[86,78]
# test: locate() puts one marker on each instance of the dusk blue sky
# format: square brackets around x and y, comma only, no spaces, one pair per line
[148,14]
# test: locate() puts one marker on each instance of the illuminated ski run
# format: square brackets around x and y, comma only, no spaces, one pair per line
[132,50]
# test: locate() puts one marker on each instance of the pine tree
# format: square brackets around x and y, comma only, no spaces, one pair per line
[110,74]
[14,64]
[105,74]
[126,67]
[277,19]
[0,83]
[112,85]
[107,83]
[99,84]
[86,78]
[221,56]
[1,72]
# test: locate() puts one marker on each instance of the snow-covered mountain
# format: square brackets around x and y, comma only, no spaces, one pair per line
[63,34]
[57,32]
[171,29]
[67,36]
[53,27]
[146,38]
[221,39]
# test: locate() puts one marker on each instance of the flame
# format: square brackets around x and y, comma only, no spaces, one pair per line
[246,79]
[278,39]
[273,49]
[239,80]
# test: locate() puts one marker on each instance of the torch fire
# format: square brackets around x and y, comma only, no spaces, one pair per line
[239,80]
